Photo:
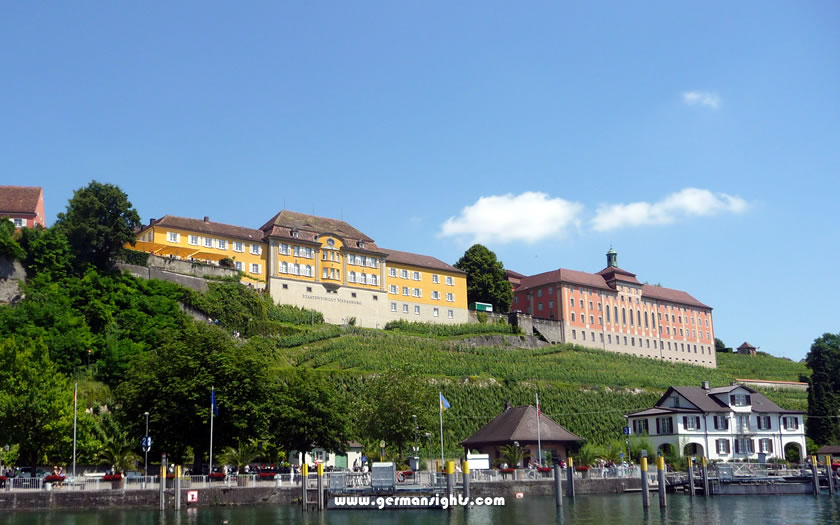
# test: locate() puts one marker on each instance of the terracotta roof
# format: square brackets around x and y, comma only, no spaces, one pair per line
[423,261]
[563,275]
[834,450]
[209,228]
[19,199]
[671,295]
[511,273]
[309,226]
[519,424]
[614,273]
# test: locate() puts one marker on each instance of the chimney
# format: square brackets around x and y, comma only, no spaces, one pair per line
[152,221]
[206,218]
[507,406]
[705,385]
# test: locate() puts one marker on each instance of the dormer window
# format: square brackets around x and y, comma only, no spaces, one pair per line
[739,400]
[330,242]
[360,244]
[676,402]
[294,234]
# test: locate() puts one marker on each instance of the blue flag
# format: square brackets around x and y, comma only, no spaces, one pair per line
[213,402]
[444,404]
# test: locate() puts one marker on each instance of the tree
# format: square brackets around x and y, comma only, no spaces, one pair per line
[720,346]
[823,425]
[47,251]
[240,455]
[390,402]
[36,401]
[9,245]
[309,413]
[98,222]
[486,280]
[512,454]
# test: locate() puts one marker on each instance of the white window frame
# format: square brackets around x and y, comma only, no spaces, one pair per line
[404,274]
[221,244]
[256,249]
[284,267]
[284,249]
[451,314]
[450,281]
[238,246]
[18,222]
[194,240]
[393,289]
[351,277]
[415,276]
[173,237]
[238,265]
[255,268]
[392,272]
[450,297]
[405,308]
[436,278]
[416,309]
[393,307]
[435,312]
[436,295]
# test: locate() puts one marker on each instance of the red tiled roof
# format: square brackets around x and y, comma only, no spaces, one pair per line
[563,275]
[519,424]
[208,227]
[413,259]
[614,273]
[511,273]
[312,225]
[671,295]
[19,199]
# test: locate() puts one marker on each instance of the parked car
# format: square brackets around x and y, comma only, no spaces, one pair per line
[26,472]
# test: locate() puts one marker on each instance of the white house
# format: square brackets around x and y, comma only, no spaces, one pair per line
[726,423]
[341,460]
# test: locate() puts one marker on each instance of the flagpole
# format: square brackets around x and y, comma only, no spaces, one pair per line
[539,443]
[75,407]
[212,399]
[440,408]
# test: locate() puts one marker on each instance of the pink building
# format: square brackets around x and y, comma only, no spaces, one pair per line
[612,310]
[23,205]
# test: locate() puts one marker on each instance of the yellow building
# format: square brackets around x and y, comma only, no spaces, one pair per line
[327,265]
[209,242]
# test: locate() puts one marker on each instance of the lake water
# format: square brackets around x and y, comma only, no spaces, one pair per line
[595,510]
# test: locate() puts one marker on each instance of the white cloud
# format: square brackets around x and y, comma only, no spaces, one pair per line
[529,217]
[684,203]
[709,99]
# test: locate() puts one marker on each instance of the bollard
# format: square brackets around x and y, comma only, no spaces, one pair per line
[162,486]
[177,487]
[704,471]
[570,478]
[466,475]
[660,479]
[829,474]
[450,480]
[320,471]
[558,494]
[644,467]
[691,477]
[304,473]
[816,473]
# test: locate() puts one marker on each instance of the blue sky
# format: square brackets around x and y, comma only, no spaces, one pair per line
[700,141]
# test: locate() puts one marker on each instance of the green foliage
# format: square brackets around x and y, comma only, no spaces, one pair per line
[286,313]
[227,262]
[720,346]
[312,414]
[481,317]
[117,450]
[448,330]
[512,454]
[639,443]
[390,402]
[240,455]
[98,221]
[823,424]
[486,280]
[9,245]
[760,367]
[35,400]
[587,454]
[47,252]
[173,381]
[135,257]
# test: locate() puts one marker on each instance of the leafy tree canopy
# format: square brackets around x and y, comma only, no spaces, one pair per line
[486,281]
[99,220]
[823,425]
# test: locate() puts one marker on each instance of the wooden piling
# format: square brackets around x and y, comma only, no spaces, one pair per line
[558,492]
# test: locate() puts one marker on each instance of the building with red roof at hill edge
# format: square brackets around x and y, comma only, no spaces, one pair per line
[23,205]
[611,310]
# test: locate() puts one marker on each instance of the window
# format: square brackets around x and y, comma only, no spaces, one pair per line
[238,265]
[744,446]
[722,446]
[631,317]
[640,426]
[539,307]
[451,314]
[600,321]
[415,276]
[393,307]
[405,308]
[608,315]
[574,334]
[609,338]
[255,268]
[591,307]
[450,297]
[417,292]
[326,273]
[591,319]
[435,312]
[572,301]
[194,240]
[404,274]
[284,267]
[308,270]
[436,279]
[665,425]
[392,289]
[762,422]
[18,222]
[691,422]
[405,290]
[623,316]
[435,295]
[599,307]
[765,446]
[392,272]
[416,309]
[539,292]
[283,249]
[581,303]
[739,400]
[351,277]
[362,278]
[173,237]
[296,269]
[374,279]
[221,244]
[573,317]
[790,422]
[450,281]
[238,247]
[583,335]
[550,290]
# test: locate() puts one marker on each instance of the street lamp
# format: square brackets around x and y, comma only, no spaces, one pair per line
[414,418]
[146,449]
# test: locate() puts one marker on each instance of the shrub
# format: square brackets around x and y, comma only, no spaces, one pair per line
[482,317]
[135,257]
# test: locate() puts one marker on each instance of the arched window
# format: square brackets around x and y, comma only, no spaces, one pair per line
[284,267]
[623,316]
[351,277]
[374,279]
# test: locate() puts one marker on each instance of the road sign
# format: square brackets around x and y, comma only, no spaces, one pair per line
[382,444]
[192,496]
[146,443]
[626,431]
